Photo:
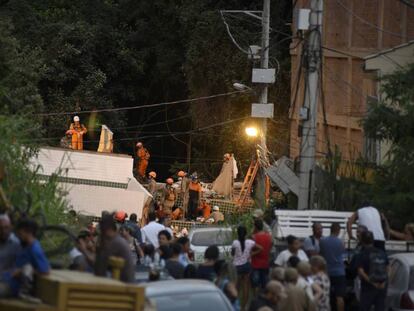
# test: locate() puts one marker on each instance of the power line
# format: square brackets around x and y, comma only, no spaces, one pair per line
[407,3]
[363,20]
[142,106]
[155,136]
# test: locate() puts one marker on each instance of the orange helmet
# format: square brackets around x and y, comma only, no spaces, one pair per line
[120,216]
[181,174]
[170,181]
[152,174]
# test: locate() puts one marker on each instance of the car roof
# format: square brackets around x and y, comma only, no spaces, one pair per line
[209,229]
[407,258]
[170,287]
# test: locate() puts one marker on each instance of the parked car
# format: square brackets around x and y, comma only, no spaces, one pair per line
[201,238]
[400,294]
[186,295]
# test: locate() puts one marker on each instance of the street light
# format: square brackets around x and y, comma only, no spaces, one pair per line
[241,87]
[252,131]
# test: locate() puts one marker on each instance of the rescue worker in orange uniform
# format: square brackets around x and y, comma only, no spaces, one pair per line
[77,130]
[152,186]
[169,197]
[143,157]
[194,193]
[205,209]
[184,184]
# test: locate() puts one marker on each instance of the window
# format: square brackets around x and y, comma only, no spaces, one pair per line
[197,301]
[216,237]
[397,277]
[411,279]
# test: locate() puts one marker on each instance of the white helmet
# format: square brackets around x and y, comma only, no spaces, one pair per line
[76,119]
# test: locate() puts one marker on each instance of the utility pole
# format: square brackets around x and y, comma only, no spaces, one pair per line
[263,98]
[308,143]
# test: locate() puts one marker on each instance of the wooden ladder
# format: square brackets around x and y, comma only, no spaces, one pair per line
[248,181]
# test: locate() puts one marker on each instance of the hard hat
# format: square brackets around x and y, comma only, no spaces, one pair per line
[152,174]
[139,144]
[76,119]
[216,208]
[170,181]
[181,174]
[120,216]
[258,213]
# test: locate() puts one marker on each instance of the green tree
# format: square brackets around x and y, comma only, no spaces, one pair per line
[392,120]
[20,178]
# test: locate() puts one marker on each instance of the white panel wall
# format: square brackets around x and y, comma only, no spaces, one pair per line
[92,200]
[85,164]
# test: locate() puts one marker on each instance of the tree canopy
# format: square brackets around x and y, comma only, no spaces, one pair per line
[391,121]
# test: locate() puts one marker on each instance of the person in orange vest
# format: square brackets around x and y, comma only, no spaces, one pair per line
[169,197]
[152,186]
[77,130]
[194,193]
[184,183]
[143,157]
[205,209]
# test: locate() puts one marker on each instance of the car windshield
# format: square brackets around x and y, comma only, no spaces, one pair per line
[213,237]
[195,301]
[411,281]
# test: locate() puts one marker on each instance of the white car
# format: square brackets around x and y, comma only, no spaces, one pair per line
[186,295]
[400,294]
[202,238]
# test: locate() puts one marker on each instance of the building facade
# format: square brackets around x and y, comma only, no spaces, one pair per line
[352,30]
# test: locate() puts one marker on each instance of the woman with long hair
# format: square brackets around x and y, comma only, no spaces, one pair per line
[241,250]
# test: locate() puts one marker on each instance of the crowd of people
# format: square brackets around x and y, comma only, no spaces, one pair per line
[315,274]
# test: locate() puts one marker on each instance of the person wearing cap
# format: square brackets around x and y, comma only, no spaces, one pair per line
[184,185]
[143,156]
[194,196]
[259,214]
[152,186]
[120,217]
[77,130]
[169,197]
[216,216]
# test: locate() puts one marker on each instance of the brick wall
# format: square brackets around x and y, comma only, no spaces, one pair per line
[346,84]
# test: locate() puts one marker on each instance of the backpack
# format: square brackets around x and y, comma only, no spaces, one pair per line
[377,266]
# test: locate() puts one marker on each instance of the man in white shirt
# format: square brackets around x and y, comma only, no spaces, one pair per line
[292,250]
[151,230]
[375,222]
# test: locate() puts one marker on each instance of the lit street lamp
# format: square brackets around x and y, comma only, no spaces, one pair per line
[252,131]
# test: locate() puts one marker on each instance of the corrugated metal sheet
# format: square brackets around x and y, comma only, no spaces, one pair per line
[85,165]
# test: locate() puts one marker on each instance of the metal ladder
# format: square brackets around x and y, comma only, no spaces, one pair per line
[248,182]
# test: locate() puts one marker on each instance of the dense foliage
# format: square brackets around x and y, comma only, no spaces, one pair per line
[23,187]
[74,56]
[391,121]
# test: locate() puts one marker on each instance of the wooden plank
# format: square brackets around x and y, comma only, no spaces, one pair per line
[100,296]
[101,304]
[19,305]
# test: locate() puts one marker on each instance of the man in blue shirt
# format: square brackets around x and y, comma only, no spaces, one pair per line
[332,249]
[9,248]
[32,255]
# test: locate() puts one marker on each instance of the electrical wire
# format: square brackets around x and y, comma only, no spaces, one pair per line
[363,20]
[408,3]
[231,35]
[143,106]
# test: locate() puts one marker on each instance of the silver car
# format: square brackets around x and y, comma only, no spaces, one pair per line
[202,238]
[186,295]
[400,295]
